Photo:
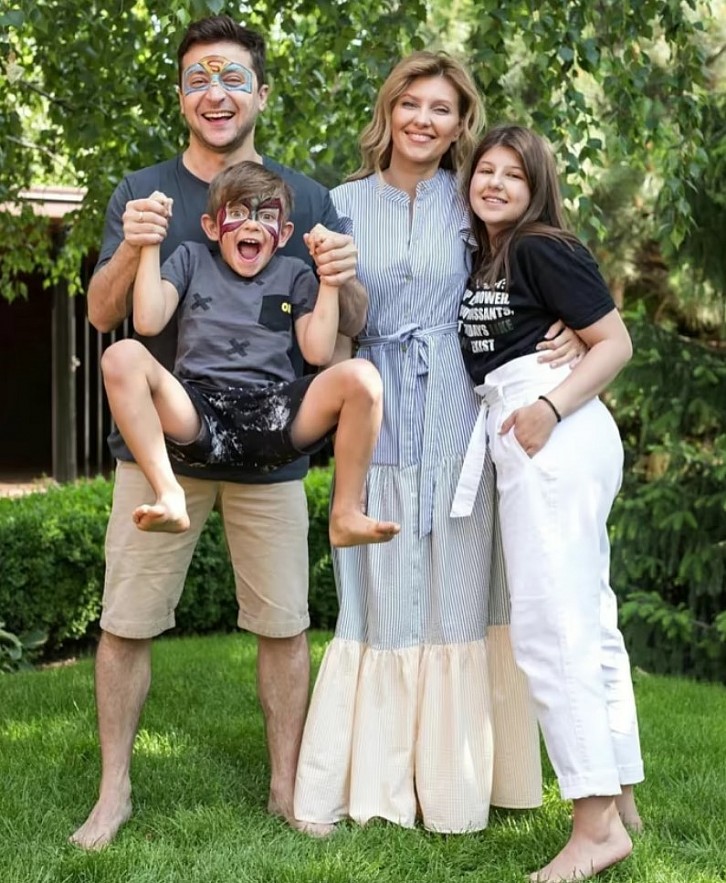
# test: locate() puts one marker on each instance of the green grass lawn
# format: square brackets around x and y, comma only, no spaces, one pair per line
[200,786]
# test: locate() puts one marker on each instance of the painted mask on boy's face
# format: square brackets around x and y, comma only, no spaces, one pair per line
[267,213]
[214,70]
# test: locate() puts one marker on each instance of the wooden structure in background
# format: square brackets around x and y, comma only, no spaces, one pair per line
[53,417]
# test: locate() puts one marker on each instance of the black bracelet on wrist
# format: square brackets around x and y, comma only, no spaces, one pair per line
[554,410]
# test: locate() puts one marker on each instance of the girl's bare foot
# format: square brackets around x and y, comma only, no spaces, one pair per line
[168,513]
[580,860]
[598,840]
[628,811]
[353,528]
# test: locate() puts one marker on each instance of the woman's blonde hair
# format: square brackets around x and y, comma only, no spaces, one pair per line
[375,141]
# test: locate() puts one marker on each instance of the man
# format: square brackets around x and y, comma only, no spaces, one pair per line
[221,92]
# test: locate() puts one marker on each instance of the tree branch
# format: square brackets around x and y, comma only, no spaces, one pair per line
[52,98]
[62,161]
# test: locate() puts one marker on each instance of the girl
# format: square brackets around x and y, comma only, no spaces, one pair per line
[559,459]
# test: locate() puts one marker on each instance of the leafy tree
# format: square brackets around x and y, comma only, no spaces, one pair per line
[86,93]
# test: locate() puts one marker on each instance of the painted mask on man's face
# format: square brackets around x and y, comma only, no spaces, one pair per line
[215,70]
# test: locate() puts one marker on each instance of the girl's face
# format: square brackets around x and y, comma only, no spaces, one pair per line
[498,192]
[425,122]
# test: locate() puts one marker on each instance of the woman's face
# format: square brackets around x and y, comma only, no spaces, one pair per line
[498,192]
[425,121]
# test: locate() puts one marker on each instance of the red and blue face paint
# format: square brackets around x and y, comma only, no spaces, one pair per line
[267,213]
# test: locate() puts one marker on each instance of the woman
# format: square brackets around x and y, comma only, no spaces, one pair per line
[414,710]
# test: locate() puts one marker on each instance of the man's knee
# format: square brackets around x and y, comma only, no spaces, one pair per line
[124,651]
[289,646]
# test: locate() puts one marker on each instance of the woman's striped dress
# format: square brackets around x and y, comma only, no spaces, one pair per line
[418,708]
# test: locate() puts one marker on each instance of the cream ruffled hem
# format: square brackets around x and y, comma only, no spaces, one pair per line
[439,731]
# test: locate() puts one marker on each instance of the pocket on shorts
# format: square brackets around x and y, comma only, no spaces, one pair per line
[276,312]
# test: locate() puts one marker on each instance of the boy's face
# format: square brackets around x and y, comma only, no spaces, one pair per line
[249,231]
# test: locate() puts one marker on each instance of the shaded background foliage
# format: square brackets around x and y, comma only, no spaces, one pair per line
[632,97]
[87,93]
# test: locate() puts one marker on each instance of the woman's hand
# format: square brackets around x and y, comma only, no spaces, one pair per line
[335,254]
[561,346]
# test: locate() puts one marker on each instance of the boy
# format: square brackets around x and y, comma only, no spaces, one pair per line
[235,397]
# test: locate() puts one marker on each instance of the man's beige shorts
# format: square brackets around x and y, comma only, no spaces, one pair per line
[266,526]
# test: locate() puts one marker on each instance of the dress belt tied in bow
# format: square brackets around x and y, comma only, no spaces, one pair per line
[420,359]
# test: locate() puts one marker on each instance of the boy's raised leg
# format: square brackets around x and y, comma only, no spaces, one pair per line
[146,401]
[349,394]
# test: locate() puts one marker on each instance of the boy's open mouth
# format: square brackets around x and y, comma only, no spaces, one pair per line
[249,249]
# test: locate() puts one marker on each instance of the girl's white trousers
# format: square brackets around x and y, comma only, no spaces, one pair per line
[553,511]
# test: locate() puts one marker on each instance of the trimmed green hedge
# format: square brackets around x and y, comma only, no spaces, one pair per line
[669,522]
[52,564]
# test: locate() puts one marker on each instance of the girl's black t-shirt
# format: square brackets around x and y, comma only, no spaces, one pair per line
[549,279]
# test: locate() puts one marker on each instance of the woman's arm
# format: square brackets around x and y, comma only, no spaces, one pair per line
[335,256]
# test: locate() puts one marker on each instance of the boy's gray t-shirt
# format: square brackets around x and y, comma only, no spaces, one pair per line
[234,331]
[312,205]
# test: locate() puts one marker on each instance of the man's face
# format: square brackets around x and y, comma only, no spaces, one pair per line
[219,96]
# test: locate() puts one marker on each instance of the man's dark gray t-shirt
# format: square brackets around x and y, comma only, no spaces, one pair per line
[312,206]
[234,331]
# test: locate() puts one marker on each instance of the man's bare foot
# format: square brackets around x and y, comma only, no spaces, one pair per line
[628,811]
[102,825]
[582,858]
[312,829]
[356,529]
[169,514]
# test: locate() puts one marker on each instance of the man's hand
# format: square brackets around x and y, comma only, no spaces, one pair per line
[335,254]
[146,221]
[561,346]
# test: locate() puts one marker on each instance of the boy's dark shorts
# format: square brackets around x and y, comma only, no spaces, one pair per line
[248,427]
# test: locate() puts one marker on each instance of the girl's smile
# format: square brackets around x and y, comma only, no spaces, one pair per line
[499,192]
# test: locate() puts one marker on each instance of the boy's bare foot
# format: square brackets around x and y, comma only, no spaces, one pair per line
[583,857]
[628,811]
[168,513]
[102,824]
[356,529]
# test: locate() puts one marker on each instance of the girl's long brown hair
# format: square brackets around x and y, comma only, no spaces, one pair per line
[543,216]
